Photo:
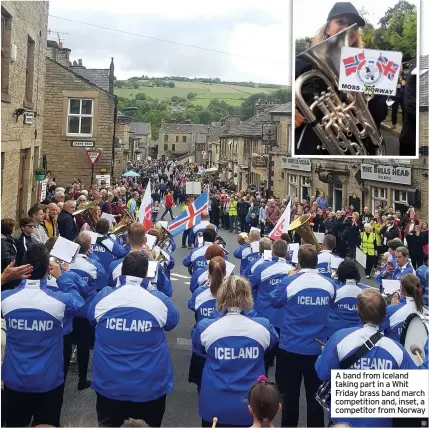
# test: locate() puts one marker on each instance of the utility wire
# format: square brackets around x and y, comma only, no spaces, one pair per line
[152,38]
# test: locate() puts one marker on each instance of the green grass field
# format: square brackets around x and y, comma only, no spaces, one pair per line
[232,94]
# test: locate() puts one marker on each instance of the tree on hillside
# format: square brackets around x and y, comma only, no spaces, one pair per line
[140,96]
[191,96]
[402,6]
[136,85]
[302,44]
[171,84]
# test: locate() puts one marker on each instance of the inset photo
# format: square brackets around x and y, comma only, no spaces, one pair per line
[356,86]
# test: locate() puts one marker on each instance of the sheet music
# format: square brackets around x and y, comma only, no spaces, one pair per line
[200,240]
[166,255]
[391,285]
[229,267]
[150,241]
[94,236]
[109,217]
[293,247]
[268,255]
[152,270]
[255,247]
[163,224]
[335,262]
[295,257]
[319,236]
[65,250]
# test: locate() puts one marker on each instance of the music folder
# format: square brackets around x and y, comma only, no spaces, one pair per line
[65,250]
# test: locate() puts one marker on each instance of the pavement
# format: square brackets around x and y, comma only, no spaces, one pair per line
[391,137]
[79,407]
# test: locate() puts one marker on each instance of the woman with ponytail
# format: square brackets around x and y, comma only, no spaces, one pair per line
[264,402]
[411,301]
[203,303]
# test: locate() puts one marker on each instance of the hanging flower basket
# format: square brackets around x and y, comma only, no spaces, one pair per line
[40,177]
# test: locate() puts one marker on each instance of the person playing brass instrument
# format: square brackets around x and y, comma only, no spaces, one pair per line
[341,16]
[245,252]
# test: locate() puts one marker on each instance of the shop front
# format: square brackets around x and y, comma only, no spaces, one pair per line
[388,186]
[297,177]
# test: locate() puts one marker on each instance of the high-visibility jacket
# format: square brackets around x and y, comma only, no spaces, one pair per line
[233,208]
[367,243]
[377,228]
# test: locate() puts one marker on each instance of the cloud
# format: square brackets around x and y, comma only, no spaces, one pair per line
[257,38]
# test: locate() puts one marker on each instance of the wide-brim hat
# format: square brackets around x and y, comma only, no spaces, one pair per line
[346,8]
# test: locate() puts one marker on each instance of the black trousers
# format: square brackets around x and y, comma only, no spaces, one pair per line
[67,353]
[44,407]
[290,369]
[270,355]
[186,234]
[210,424]
[370,261]
[168,210]
[112,413]
[83,336]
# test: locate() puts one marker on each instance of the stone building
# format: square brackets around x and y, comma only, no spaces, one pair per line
[176,139]
[241,155]
[79,116]
[140,139]
[23,49]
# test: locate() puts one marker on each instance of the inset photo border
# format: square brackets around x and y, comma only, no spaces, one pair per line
[373,50]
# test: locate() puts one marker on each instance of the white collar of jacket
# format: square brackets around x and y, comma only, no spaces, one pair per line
[234,311]
[326,251]
[133,281]
[350,282]
[309,271]
[34,283]
[371,327]
[402,268]
[409,299]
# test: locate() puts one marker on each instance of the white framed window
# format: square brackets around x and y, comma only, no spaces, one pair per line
[400,200]
[379,197]
[80,117]
[293,185]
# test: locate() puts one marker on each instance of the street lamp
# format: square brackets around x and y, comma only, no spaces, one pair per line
[115,119]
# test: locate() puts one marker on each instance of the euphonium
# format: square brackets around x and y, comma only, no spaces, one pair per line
[243,238]
[302,226]
[219,240]
[346,127]
[122,226]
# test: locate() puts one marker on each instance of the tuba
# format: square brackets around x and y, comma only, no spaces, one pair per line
[122,227]
[302,226]
[86,212]
[346,126]
[243,238]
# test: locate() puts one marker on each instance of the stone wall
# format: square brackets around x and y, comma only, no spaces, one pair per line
[65,161]
[19,140]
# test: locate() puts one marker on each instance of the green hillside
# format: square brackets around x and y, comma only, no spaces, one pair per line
[205,92]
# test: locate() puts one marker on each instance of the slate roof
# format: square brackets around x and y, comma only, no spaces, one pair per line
[183,128]
[97,76]
[253,127]
[140,128]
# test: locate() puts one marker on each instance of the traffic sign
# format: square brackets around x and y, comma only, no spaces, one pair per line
[93,155]
[205,155]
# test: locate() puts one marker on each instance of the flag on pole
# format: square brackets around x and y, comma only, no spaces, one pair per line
[282,224]
[145,213]
[191,216]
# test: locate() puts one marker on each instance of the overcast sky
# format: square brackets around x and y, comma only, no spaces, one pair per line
[256,34]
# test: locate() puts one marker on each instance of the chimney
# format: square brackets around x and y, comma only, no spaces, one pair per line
[60,45]
[79,62]
[232,121]
[74,63]
[111,76]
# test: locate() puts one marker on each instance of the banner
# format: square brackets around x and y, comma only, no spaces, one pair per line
[370,71]
[282,225]
[145,212]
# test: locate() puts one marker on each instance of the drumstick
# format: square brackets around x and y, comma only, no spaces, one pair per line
[417,351]
[319,342]
[215,419]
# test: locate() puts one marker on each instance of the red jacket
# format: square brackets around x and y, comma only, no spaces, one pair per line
[168,201]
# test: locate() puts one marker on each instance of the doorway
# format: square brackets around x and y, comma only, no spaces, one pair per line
[338,199]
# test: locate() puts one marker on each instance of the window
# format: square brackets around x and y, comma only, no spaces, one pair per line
[184,139]
[165,138]
[293,183]
[5,50]
[29,70]
[80,117]
[177,138]
[165,147]
[400,200]
[379,198]
[173,147]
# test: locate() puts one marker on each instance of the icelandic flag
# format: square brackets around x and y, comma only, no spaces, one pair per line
[351,63]
[389,67]
[191,216]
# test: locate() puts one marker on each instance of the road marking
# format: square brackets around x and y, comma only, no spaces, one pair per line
[187,282]
[184,342]
[174,279]
[180,276]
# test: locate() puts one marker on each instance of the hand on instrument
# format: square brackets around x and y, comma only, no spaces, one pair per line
[299,119]
[54,269]
[12,273]
[395,299]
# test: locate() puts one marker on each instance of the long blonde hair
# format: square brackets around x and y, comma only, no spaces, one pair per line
[235,292]
[321,35]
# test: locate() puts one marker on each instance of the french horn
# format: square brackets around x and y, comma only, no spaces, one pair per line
[346,126]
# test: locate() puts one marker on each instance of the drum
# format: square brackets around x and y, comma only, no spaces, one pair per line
[414,335]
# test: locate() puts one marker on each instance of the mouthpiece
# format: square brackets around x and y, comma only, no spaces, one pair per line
[415,349]
[215,419]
